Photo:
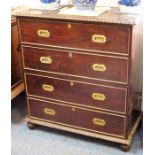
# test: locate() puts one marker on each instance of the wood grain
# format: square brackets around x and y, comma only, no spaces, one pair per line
[79,35]
[77,64]
[79,117]
[78,93]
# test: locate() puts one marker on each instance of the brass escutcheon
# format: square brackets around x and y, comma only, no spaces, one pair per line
[69,26]
[71,83]
[70,54]
[73,109]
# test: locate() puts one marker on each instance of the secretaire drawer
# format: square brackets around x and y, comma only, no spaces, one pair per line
[98,67]
[77,93]
[106,37]
[77,117]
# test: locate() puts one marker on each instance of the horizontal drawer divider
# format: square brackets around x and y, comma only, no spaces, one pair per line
[74,81]
[57,73]
[88,52]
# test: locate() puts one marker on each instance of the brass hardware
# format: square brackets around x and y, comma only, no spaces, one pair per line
[73,109]
[99,67]
[70,54]
[19,47]
[98,96]
[47,87]
[97,38]
[43,33]
[49,111]
[71,83]
[69,26]
[45,60]
[100,122]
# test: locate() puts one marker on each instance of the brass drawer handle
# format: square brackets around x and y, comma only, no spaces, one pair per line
[98,96]
[45,60]
[49,111]
[99,67]
[97,38]
[43,33]
[47,87]
[100,122]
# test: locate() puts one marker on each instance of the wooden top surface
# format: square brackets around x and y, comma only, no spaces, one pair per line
[106,17]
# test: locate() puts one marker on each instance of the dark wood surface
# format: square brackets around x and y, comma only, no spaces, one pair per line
[17,84]
[135,75]
[16,65]
[77,36]
[77,64]
[77,117]
[78,93]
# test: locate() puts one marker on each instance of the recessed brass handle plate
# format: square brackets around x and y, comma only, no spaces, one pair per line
[43,33]
[97,38]
[48,111]
[45,60]
[98,121]
[98,96]
[99,67]
[47,87]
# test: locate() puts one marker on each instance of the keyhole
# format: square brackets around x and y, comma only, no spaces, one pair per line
[69,26]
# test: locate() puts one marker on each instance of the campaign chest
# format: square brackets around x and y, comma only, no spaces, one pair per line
[82,75]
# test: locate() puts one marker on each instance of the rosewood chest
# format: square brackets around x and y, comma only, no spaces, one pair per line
[83,74]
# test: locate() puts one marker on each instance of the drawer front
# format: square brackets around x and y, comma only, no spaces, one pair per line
[77,117]
[77,93]
[109,38]
[106,68]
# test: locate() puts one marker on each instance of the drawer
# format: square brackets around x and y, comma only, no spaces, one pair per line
[77,93]
[99,67]
[103,38]
[76,117]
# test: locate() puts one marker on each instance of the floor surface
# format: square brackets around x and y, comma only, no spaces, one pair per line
[47,141]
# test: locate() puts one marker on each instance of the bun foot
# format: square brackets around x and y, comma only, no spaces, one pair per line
[125,147]
[31,126]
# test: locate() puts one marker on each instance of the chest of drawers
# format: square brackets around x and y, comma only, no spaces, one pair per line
[82,76]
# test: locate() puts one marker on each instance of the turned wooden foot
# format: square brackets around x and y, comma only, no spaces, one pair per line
[125,147]
[31,126]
